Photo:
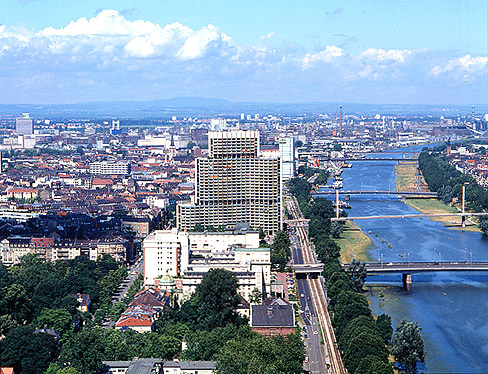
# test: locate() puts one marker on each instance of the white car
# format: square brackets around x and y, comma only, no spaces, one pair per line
[302,295]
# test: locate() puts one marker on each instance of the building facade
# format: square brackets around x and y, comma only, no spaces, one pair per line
[234,185]
[189,255]
[287,155]
[110,168]
[24,125]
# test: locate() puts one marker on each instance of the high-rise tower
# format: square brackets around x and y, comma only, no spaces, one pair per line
[23,125]
[287,155]
[234,185]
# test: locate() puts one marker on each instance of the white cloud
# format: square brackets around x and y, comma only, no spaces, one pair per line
[268,35]
[327,55]
[200,42]
[466,64]
[380,55]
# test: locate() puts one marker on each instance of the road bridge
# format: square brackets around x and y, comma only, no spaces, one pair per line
[374,192]
[343,159]
[409,216]
[308,270]
[409,268]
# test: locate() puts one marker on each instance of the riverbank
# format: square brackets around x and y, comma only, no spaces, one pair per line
[354,244]
[407,178]
[434,206]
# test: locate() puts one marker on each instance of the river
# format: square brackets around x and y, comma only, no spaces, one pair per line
[451,308]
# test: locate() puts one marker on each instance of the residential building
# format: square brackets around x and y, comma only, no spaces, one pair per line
[234,184]
[110,168]
[84,301]
[167,252]
[190,255]
[158,366]
[275,317]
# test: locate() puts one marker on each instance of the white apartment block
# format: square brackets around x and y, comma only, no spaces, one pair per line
[192,254]
[234,185]
[166,252]
[252,267]
[110,168]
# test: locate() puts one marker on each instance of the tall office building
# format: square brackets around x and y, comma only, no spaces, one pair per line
[287,155]
[234,185]
[23,125]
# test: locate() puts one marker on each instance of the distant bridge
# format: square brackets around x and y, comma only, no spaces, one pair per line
[372,192]
[422,266]
[343,159]
[408,216]
[408,268]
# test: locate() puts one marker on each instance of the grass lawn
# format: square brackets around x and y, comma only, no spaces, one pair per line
[354,244]
[434,206]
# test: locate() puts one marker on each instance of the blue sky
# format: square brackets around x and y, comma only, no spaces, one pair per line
[63,51]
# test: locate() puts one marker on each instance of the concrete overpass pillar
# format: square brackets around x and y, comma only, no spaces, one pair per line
[407,282]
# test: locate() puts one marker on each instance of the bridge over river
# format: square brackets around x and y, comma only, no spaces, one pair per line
[408,268]
[404,268]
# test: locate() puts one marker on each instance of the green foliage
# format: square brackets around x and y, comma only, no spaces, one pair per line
[407,345]
[206,345]
[280,250]
[373,365]
[256,296]
[27,352]
[58,319]
[354,328]
[447,181]
[299,188]
[383,324]
[214,302]
[262,355]
[483,225]
[363,345]
[86,349]
[357,273]
[346,314]
[336,229]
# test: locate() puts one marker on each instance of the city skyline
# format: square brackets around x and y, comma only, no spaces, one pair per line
[409,53]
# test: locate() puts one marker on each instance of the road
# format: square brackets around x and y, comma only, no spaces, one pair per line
[121,291]
[307,311]
[314,305]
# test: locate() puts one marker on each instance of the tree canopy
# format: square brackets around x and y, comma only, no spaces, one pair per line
[407,345]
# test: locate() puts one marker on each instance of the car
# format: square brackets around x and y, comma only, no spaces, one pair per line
[302,295]
[315,332]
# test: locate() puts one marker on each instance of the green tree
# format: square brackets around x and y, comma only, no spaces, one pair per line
[262,355]
[383,323]
[256,296]
[84,351]
[357,272]
[280,250]
[27,352]
[57,319]
[336,229]
[407,345]
[373,365]
[214,302]
[361,346]
[483,224]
